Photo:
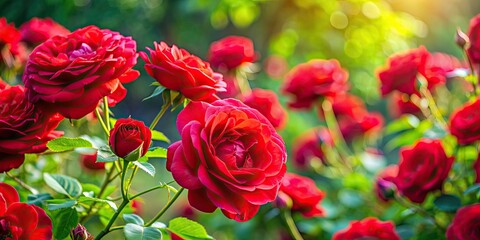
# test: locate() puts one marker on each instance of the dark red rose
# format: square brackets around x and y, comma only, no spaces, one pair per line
[474,35]
[464,123]
[360,125]
[71,74]
[400,104]
[465,224]
[10,41]
[38,30]
[89,161]
[80,233]
[308,147]
[384,184]
[230,157]
[476,168]
[422,169]
[23,128]
[20,220]
[304,195]
[309,82]
[230,52]
[178,70]
[127,135]
[368,228]
[266,102]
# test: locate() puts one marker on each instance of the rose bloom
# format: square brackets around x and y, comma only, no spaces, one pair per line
[71,74]
[474,35]
[230,157]
[368,228]
[23,127]
[129,134]
[38,30]
[89,161]
[266,102]
[464,123]
[178,70]
[10,39]
[309,82]
[304,195]
[422,169]
[465,224]
[400,104]
[384,184]
[360,125]
[232,89]
[19,220]
[230,52]
[308,147]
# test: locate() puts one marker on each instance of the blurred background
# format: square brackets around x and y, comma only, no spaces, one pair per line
[361,34]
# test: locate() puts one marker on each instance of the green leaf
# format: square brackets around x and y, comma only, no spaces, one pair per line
[63,144]
[55,204]
[63,184]
[157,135]
[38,199]
[146,167]
[87,199]
[158,90]
[403,123]
[187,229]
[64,221]
[133,218]
[135,154]
[136,232]
[157,152]
[105,154]
[472,189]
[448,203]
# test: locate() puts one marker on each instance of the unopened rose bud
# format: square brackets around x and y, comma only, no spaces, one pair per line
[80,233]
[283,201]
[129,135]
[386,189]
[462,40]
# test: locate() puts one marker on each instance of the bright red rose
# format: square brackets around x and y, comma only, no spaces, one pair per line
[442,64]
[10,39]
[71,74]
[178,70]
[474,35]
[3,84]
[476,168]
[89,161]
[266,102]
[232,88]
[464,123]
[230,157]
[230,52]
[129,134]
[368,228]
[304,194]
[422,169]
[38,30]
[308,147]
[360,125]
[384,184]
[309,82]
[465,224]
[20,220]
[400,104]
[23,128]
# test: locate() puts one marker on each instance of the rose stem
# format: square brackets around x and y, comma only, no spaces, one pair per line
[164,209]
[107,112]
[417,209]
[291,225]
[431,102]
[21,183]
[100,119]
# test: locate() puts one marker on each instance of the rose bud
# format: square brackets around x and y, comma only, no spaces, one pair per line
[384,185]
[137,206]
[80,233]
[368,228]
[128,135]
[89,161]
[304,195]
[461,39]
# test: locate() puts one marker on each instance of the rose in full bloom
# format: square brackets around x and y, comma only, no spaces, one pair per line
[10,41]
[384,184]
[70,74]
[129,134]
[303,194]
[464,123]
[474,35]
[368,228]
[178,70]
[422,169]
[465,224]
[311,81]
[400,104]
[38,30]
[266,102]
[308,147]
[23,127]
[230,52]
[19,220]
[89,161]
[230,157]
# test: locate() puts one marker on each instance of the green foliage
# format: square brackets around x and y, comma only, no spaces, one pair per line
[63,144]
[187,229]
[64,220]
[63,184]
[146,167]
[136,232]
[447,203]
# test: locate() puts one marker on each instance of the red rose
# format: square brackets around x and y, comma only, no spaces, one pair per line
[3,84]
[178,70]
[442,64]
[266,102]
[422,169]
[20,220]
[309,82]
[400,104]
[474,35]
[465,224]
[464,123]
[368,228]
[71,74]
[127,135]
[347,105]
[10,39]
[38,30]
[308,147]
[384,184]
[232,89]
[231,52]
[230,157]
[304,195]
[89,161]
[360,125]
[23,128]
[137,206]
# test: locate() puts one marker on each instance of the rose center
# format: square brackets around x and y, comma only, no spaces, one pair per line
[5,232]
[84,51]
[233,151]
